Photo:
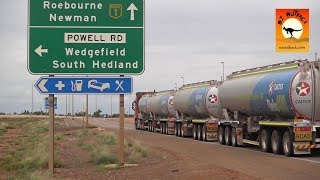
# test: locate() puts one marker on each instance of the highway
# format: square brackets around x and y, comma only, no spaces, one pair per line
[247,160]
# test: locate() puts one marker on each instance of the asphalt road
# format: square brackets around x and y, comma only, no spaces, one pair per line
[247,160]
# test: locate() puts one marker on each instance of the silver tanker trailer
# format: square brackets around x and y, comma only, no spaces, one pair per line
[141,114]
[276,107]
[156,111]
[197,107]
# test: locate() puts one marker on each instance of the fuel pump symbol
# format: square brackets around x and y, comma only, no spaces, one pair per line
[77,86]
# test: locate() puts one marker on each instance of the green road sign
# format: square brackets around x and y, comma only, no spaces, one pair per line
[86,37]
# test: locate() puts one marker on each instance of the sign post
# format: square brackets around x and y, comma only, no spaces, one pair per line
[51,133]
[121,128]
[87,111]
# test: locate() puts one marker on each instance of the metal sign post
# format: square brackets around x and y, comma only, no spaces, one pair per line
[121,128]
[51,133]
[87,111]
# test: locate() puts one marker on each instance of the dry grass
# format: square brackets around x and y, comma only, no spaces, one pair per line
[28,151]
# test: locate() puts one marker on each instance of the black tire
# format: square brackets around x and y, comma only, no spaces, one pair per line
[167,125]
[179,129]
[194,132]
[163,128]
[221,135]
[265,140]
[175,129]
[166,128]
[287,144]
[148,126]
[227,135]
[183,134]
[276,142]
[199,132]
[204,133]
[234,141]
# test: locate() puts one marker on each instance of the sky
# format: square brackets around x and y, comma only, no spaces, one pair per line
[183,38]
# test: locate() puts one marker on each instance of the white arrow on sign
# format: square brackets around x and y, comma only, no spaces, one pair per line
[42,85]
[39,50]
[132,8]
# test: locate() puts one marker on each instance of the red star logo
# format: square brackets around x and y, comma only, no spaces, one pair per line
[271,87]
[213,98]
[303,88]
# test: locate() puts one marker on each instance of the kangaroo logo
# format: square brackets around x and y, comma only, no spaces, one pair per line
[290,30]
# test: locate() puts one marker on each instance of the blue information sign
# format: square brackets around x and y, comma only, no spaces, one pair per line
[84,85]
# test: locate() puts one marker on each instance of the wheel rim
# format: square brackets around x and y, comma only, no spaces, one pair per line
[226,134]
[263,140]
[233,139]
[274,142]
[220,135]
[194,132]
[182,131]
[204,133]
[199,132]
[285,143]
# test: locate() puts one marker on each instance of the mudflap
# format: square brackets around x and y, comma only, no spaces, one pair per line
[212,136]
[171,127]
[212,131]
[301,148]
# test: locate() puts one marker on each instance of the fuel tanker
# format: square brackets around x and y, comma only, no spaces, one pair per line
[276,107]
[156,110]
[197,109]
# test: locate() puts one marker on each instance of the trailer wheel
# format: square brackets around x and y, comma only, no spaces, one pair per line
[194,131]
[221,135]
[199,131]
[276,142]
[161,127]
[167,128]
[227,135]
[234,137]
[182,131]
[175,129]
[265,140]
[204,133]
[153,127]
[287,144]
[179,129]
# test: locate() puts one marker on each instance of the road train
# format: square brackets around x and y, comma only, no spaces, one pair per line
[276,107]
